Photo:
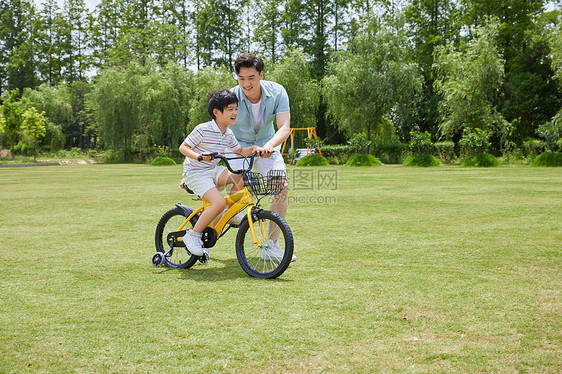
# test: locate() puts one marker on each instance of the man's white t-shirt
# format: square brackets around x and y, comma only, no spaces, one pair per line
[256,112]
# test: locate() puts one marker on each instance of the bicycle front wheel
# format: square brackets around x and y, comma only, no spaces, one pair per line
[168,229]
[272,255]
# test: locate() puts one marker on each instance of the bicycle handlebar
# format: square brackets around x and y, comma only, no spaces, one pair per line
[215,155]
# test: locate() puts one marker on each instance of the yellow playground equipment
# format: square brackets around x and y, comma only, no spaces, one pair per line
[311,133]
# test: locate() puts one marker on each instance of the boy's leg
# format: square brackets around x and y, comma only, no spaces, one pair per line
[226,177]
[215,198]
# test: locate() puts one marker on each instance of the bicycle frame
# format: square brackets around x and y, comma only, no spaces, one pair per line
[239,200]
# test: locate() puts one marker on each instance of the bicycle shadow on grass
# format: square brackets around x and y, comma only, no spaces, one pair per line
[229,270]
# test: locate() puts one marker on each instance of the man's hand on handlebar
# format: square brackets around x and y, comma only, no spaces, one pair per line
[262,152]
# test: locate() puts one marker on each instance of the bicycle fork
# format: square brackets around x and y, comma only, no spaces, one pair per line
[255,238]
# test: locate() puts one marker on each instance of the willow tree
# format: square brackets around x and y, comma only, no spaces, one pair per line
[34,127]
[371,81]
[470,81]
[117,101]
[293,73]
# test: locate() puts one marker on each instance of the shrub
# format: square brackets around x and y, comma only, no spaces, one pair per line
[420,143]
[533,147]
[481,160]
[548,159]
[24,149]
[475,141]
[112,156]
[359,143]
[551,132]
[162,161]
[445,151]
[363,160]
[312,160]
[421,160]
[337,154]
[391,153]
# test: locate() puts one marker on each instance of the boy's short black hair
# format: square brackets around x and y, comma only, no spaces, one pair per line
[248,60]
[220,99]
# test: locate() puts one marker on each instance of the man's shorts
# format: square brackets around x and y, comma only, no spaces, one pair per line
[201,181]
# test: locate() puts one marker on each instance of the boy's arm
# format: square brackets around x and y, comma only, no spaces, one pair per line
[187,151]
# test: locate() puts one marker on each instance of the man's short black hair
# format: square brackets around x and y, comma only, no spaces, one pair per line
[220,99]
[248,60]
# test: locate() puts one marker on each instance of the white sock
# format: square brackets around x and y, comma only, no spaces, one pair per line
[195,233]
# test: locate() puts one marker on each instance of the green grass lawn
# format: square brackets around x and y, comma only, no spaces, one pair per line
[399,269]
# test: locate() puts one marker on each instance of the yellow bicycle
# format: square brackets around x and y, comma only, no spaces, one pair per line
[264,243]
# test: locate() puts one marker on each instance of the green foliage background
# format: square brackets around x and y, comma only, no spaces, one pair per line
[130,76]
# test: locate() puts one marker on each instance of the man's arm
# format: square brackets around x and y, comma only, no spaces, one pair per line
[283,130]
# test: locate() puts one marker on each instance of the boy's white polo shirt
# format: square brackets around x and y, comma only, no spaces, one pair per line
[208,138]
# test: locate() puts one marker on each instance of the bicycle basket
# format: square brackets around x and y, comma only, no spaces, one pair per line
[273,184]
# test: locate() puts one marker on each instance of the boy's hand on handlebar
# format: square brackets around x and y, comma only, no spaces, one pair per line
[206,157]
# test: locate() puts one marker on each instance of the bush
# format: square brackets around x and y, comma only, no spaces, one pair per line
[481,160]
[312,160]
[162,161]
[24,149]
[363,160]
[337,154]
[391,153]
[420,143]
[445,151]
[359,143]
[548,159]
[421,160]
[112,156]
[475,141]
[533,147]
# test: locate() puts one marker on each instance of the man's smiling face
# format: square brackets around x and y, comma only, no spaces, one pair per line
[249,80]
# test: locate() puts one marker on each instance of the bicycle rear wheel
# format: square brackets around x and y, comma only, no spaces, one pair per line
[167,231]
[272,256]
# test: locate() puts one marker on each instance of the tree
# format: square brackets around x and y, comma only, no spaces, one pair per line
[366,83]
[117,101]
[12,111]
[267,32]
[551,131]
[430,23]
[470,82]
[34,126]
[76,41]
[528,94]
[293,73]
[207,80]
[17,48]
[49,42]
[165,106]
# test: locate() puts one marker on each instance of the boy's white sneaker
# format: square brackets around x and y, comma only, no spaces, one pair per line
[273,252]
[193,242]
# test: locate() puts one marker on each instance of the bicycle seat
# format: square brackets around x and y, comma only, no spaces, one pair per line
[187,189]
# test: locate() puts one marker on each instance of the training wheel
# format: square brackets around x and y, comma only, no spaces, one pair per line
[157,259]
[204,259]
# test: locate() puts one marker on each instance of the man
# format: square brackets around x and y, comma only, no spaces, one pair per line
[259,103]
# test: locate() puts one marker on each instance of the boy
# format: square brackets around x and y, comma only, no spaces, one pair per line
[203,177]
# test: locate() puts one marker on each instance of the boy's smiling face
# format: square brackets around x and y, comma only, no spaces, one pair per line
[228,116]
